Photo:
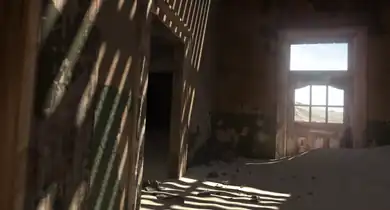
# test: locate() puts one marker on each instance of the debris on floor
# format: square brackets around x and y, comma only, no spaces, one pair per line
[320,179]
[151,185]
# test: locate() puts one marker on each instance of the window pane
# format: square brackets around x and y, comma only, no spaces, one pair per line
[318,95]
[335,96]
[301,113]
[335,115]
[317,57]
[302,96]
[318,114]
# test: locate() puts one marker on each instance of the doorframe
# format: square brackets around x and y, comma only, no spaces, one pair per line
[177,160]
[357,64]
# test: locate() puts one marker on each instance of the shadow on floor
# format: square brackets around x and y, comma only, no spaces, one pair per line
[189,193]
[318,180]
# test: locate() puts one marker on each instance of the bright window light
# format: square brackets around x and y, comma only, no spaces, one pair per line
[335,96]
[318,95]
[311,104]
[302,96]
[319,57]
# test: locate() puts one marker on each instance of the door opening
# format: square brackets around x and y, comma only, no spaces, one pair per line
[317,81]
[331,57]
[164,72]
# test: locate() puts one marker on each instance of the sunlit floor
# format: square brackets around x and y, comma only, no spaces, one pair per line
[319,180]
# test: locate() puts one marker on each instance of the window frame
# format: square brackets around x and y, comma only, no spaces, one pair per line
[326,105]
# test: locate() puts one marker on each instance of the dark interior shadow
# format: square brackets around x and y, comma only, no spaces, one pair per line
[164,68]
[157,137]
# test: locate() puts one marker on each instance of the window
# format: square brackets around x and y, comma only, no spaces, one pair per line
[319,104]
[319,57]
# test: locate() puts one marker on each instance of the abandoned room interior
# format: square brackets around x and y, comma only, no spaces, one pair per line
[195,104]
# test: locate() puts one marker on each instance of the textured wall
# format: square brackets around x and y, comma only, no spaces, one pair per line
[200,126]
[83,97]
[244,115]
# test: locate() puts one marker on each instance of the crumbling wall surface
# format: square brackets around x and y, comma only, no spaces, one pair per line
[58,148]
[243,119]
[245,134]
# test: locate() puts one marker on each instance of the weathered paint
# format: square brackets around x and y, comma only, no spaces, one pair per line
[239,134]
[80,145]
[251,135]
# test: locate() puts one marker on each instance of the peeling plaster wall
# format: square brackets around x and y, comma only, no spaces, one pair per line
[79,147]
[244,134]
[245,97]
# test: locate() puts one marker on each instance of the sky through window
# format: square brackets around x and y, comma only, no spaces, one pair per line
[319,57]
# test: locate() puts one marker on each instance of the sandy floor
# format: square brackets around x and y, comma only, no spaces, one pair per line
[327,179]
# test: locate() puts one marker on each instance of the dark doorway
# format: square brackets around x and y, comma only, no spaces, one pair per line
[164,68]
[158,119]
